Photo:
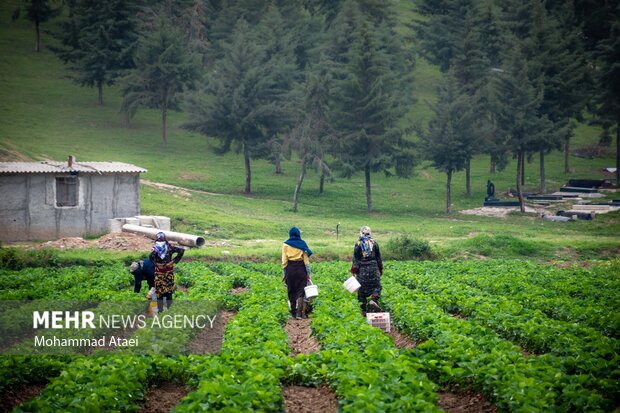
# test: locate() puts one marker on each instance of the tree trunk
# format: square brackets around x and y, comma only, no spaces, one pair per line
[520,159]
[37,36]
[368,193]
[543,184]
[468,177]
[321,183]
[248,171]
[618,153]
[523,170]
[278,164]
[449,193]
[100,92]
[300,181]
[492,166]
[566,152]
[164,125]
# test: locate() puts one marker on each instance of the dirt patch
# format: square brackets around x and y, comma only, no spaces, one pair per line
[464,402]
[8,153]
[177,190]
[120,241]
[163,397]
[238,290]
[498,212]
[402,340]
[563,265]
[300,399]
[19,395]
[459,316]
[300,339]
[209,340]
[67,243]
[124,241]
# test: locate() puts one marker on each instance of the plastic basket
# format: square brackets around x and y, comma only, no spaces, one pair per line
[351,284]
[379,320]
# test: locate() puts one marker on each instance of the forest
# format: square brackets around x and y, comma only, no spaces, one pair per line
[331,82]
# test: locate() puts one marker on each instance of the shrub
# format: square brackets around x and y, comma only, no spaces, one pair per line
[16,259]
[405,247]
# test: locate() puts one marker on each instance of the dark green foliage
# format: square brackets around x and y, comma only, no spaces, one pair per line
[16,259]
[249,95]
[38,12]
[451,138]
[98,41]
[608,77]
[313,135]
[164,70]
[405,247]
[519,117]
[370,101]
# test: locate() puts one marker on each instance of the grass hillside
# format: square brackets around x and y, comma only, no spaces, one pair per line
[46,116]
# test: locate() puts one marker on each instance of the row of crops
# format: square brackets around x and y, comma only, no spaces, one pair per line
[528,337]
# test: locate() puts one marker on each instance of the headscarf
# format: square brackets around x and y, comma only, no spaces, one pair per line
[295,241]
[161,236]
[161,248]
[366,241]
[134,266]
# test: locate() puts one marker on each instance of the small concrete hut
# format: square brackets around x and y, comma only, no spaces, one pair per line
[50,200]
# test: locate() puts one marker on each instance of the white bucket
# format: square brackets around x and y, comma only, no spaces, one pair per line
[351,284]
[311,290]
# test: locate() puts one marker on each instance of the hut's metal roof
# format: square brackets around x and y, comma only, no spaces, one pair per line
[51,167]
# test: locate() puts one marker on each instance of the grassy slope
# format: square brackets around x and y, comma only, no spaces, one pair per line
[45,115]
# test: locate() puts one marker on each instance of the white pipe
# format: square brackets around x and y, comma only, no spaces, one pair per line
[183,239]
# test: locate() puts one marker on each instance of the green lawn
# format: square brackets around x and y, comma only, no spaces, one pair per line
[46,116]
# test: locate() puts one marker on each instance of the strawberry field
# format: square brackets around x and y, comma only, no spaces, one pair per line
[527,337]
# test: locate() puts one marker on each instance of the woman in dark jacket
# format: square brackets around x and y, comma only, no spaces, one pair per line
[368,268]
[142,270]
[296,269]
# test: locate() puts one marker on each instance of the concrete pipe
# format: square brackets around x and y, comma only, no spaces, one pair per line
[183,239]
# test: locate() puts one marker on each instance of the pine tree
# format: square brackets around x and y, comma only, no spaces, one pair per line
[370,105]
[471,70]
[518,116]
[447,144]
[39,12]
[164,70]
[245,98]
[608,81]
[313,135]
[280,44]
[98,41]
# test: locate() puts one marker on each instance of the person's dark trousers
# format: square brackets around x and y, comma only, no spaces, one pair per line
[160,301]
[296,279]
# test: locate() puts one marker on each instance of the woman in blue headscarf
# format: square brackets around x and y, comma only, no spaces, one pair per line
[296,270]
[368,268]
